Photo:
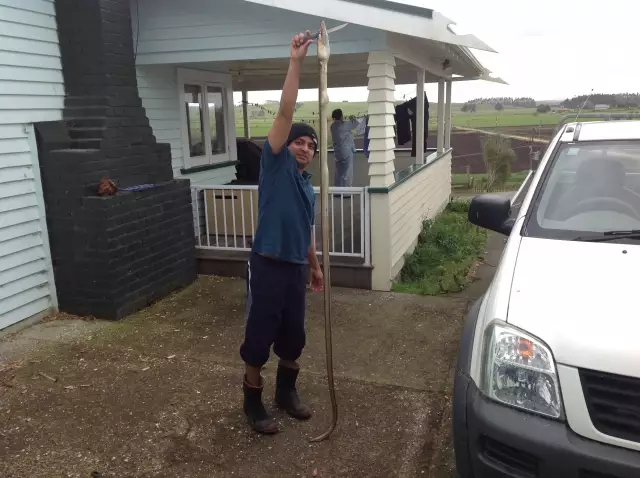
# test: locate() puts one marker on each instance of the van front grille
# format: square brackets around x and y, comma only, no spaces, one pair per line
[613,402]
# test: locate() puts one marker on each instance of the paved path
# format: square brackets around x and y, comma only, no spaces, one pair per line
[159,393]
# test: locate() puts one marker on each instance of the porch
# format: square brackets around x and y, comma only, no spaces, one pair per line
[196,59]
[225,219]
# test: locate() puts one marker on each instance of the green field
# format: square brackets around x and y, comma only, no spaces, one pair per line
[262,117]
[485,117]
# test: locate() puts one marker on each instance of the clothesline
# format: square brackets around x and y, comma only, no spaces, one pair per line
[405,97]
[274,113]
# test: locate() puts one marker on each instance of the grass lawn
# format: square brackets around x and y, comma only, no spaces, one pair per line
[446,249]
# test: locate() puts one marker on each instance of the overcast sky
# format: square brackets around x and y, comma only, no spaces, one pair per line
[547,49]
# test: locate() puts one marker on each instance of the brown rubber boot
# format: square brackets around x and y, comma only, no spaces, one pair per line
[257,416]
[287,395]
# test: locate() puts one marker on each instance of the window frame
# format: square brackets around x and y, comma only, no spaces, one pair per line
[203,79]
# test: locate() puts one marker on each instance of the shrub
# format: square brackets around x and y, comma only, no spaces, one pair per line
[447,246]
[498,158]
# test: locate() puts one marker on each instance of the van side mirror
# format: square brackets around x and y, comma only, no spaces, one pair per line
[491,211]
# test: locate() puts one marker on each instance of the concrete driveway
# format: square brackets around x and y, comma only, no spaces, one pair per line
[159,394]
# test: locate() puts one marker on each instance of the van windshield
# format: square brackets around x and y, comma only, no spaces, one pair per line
[591,187]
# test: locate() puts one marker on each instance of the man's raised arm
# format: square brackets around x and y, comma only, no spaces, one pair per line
[281,127]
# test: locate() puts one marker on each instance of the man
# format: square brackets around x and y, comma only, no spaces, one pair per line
[283,252]
[344,147]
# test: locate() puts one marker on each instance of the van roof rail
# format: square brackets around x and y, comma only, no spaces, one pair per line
[604,116]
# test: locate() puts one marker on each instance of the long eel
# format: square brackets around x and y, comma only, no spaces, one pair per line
[323,59]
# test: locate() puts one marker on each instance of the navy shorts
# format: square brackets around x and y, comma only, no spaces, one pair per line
[276,296]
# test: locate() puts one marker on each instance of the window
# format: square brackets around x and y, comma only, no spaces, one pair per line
[590,188]
[205,117]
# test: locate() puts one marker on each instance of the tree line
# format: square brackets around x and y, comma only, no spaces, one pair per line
[498,103]
[523,102]
[614,100]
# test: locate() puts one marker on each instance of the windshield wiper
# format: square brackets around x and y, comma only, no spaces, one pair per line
[611,236]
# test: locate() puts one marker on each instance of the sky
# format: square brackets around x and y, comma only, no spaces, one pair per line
[547,49]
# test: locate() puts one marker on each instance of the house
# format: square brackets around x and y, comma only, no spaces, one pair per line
[70,115]
[140,92]
[194,54]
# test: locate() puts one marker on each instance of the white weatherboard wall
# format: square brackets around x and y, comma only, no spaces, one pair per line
[400,211]
[158,88]
[31,90]
[420,197]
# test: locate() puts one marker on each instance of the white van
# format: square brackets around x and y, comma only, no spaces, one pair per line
[548,373]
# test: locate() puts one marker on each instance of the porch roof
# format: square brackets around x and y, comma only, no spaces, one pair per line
[417,36]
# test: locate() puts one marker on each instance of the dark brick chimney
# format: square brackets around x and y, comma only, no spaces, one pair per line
[112,255]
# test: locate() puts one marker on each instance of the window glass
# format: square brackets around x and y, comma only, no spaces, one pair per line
[193,104]
[591,187]
[215,96]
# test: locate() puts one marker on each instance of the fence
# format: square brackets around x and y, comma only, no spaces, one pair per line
[226,218]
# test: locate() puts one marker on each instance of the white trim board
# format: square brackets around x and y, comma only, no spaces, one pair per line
[44,231]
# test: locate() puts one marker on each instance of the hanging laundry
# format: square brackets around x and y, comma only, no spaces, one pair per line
[403,123]
[362,125]
[406,123]
[366,138]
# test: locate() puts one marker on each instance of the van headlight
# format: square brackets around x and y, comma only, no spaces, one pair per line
[519,370]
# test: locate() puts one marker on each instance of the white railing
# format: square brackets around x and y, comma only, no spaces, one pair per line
[226,218]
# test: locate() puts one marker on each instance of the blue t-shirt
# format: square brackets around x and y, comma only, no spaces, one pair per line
[286,208]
